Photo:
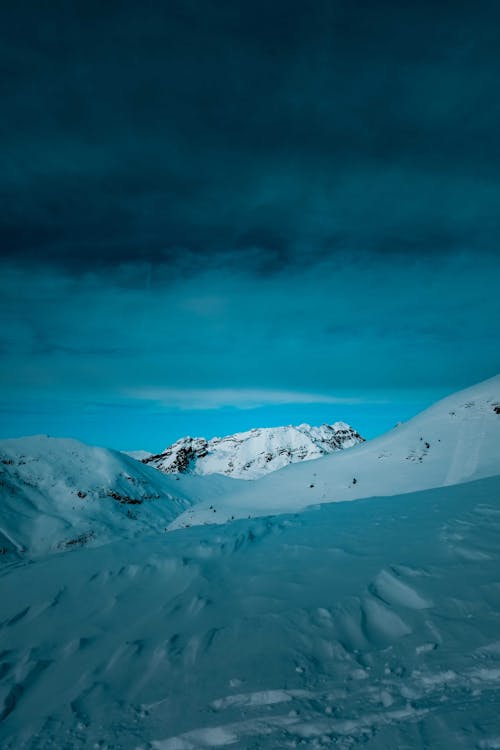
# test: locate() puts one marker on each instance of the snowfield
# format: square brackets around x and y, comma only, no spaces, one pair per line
[373,624]
[311,624]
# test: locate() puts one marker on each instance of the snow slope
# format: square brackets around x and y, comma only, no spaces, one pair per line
[454,441]
[252,454]
[57,494]
[369,625]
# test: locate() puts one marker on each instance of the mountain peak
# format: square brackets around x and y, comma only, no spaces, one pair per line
[256,452]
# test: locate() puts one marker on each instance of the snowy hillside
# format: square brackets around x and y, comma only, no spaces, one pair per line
[456,440]
[370,625]
[252,454]
[57,494]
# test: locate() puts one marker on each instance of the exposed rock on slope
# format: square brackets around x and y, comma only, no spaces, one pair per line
[252,454]
[59,493]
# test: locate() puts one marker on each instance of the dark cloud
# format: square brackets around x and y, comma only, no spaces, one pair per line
[181,132]
[211,202]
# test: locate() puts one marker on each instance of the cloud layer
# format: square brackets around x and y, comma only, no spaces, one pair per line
[220,204]
[260,135]
[336,329]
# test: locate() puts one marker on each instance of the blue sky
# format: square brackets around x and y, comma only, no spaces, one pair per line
[139,360]
[224,215]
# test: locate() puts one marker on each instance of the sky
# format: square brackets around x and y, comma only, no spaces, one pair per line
[217,215]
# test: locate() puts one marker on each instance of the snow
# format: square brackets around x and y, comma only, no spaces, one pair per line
[456,440]
[372,624]
[252,454]
[351,625]
[59,493]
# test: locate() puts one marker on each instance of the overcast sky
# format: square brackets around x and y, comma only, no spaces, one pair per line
[218,215]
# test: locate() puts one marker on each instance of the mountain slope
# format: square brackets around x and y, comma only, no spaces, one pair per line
[454,441]
[252,454]
[58,494]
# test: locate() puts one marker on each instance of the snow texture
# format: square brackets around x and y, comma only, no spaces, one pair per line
[354,625]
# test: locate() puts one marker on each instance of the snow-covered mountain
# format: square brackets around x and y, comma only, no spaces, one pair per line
[371,624]
[252,454]
[57,494]
[455,440]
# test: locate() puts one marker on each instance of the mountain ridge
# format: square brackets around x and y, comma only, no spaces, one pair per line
[453,441]
[254,453]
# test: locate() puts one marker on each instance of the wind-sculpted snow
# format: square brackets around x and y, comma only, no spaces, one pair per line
[373,624]
[456,440]
[252,454]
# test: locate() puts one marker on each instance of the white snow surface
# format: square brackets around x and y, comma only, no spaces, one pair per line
[254,453]
[59,493]
[369,625]
[456,440]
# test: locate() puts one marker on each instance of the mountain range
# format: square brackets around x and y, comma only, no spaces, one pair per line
[456,440]
[252,454]
[145,610]
[59,493]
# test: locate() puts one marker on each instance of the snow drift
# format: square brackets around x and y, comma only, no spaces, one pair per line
[367,625]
